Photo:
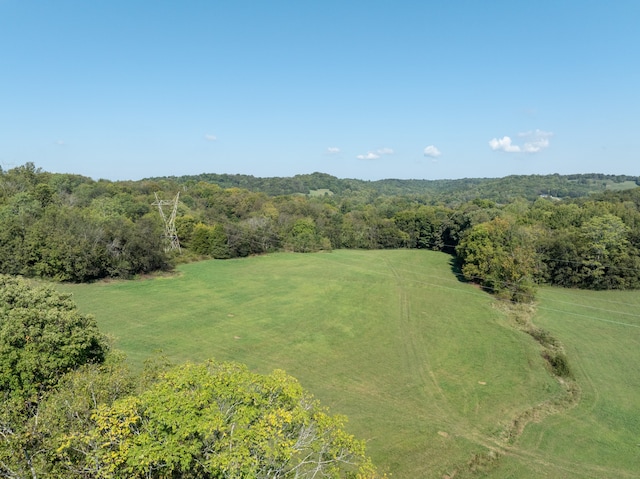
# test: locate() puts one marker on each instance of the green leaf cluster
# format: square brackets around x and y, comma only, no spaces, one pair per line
[42,336]
[220,420]
[499,255]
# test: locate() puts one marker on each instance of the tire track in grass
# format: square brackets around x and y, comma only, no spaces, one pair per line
[417,357]
[491,447]
[439,415]
[418,362]
[576,469]
[494,447]
[592,386]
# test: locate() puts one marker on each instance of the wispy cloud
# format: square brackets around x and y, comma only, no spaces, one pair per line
[209,137]
[537,140]
[369,156]
[534,141]
[333,150]
[432,151]
[374,155]
[60,142]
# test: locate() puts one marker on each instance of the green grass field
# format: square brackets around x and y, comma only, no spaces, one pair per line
[600,436]
[427,369]
[625,185]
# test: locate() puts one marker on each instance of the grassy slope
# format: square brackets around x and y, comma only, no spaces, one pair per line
[600,436]
[424,367]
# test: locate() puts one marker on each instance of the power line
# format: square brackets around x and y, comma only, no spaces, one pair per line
[547,259]
[544,308]
[586,263]
[559,290]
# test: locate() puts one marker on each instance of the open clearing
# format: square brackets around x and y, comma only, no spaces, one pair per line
[427,369]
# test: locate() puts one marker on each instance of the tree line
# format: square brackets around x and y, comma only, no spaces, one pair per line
[71,228]
[464,189]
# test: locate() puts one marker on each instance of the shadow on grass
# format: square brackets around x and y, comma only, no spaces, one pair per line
[456,268]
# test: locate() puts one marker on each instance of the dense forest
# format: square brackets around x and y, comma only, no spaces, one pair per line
[506,234]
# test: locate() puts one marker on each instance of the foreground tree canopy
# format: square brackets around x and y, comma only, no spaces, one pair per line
[72,409]
[212,421]
[42,336]
[508,234]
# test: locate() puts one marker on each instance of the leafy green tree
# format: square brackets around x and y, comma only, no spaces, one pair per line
[42,337]
[560,258]
[354,232]
[141,246]
[463,218]
[219,242]
[185,224]
[384,233]
[67,244]
[63,413]
[43,194]
[303,237]
[499,255]
[216,420]
[260,233]
[424,226]
[200,242]
[565,216]
[209,240]
[17,217]
[605,249]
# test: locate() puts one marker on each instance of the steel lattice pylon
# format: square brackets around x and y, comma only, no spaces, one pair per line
[170,232]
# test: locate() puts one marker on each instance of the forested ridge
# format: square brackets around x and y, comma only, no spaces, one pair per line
[507,234]
[446,191]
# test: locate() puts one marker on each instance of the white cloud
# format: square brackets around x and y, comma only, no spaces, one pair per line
[536,146]
[432,151]
[332,150]
[536,133]
[538,140]
[504,144]
[60,142]
[210,137]
[374,155]
[369,156]
[534,141]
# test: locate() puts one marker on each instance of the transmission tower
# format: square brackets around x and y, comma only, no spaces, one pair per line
[170,232]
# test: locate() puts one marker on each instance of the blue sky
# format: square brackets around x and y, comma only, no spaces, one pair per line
[370,90]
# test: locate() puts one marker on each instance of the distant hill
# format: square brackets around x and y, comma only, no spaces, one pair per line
[465,189]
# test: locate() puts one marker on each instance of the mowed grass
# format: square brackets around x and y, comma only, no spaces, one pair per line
[600,436]
[428,371]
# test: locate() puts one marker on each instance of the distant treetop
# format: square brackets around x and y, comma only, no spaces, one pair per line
[464,189]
